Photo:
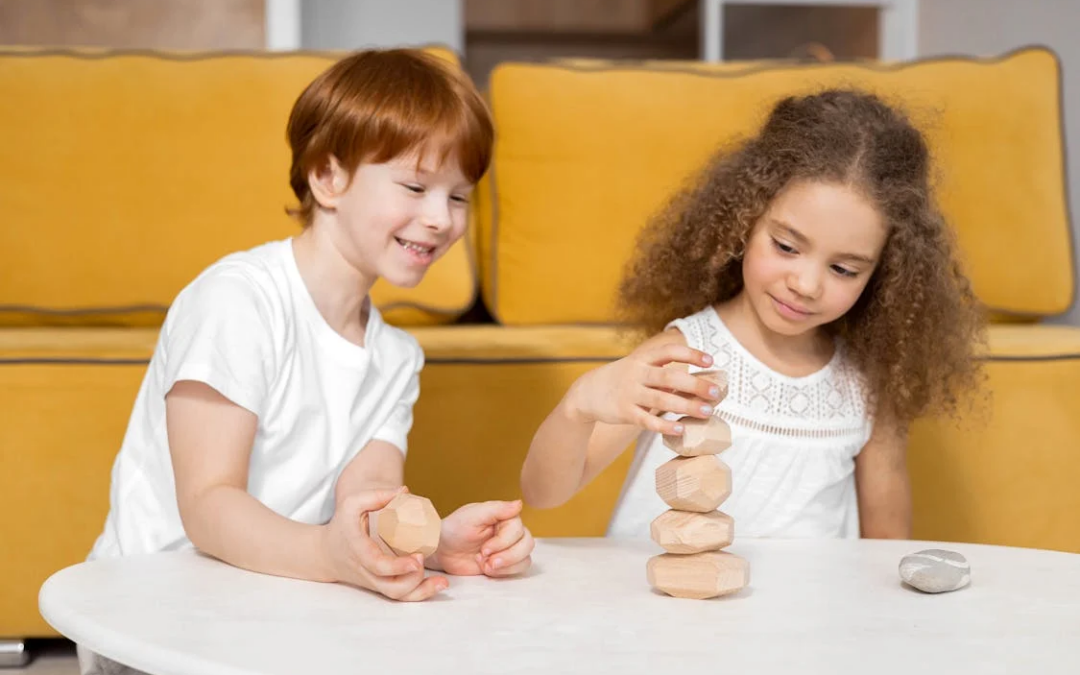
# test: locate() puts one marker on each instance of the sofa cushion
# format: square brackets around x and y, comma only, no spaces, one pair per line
[131,172]
[586,154]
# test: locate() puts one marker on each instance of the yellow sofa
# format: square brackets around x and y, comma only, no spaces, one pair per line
[123,175]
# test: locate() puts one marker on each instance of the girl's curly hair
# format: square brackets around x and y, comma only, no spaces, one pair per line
[914,330]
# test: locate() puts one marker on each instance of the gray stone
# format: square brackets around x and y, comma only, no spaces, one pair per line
[935,570]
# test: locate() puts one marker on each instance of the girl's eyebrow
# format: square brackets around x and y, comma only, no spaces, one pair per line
[855,257]
[789,230]
[801,239]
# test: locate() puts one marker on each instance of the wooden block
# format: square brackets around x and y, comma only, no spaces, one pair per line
[699,576]
[697,484]
[689,532]
[409,524]
[700,437]
[717,377]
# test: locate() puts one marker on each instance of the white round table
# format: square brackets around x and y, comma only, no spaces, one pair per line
[821,606]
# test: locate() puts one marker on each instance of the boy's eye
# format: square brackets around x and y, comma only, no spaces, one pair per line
[782,247]
[844,272]
[461,199]
[418,189]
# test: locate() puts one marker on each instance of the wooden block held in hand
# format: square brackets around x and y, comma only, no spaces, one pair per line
[689,532]
[694,483]
[717,377]
[699,576]
[700,437]
[409,524]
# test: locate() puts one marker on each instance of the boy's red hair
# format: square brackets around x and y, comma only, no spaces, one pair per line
[375,105]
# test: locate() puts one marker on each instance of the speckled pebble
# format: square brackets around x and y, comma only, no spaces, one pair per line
[935,570]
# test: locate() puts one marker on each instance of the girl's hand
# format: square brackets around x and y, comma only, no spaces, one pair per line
[638,388]
[353,557]
[486,538]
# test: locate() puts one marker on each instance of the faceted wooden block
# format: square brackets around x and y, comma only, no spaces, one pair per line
[717,377]
[409,524]
[694,483]
[700,437]
[689,532]
[700,575]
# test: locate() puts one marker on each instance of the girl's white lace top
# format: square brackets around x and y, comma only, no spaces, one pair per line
[794,442]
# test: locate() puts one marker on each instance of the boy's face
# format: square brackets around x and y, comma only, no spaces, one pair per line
[395,219]
[811,255]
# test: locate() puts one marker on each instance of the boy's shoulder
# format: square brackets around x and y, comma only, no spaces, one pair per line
[398,340]
[253,275]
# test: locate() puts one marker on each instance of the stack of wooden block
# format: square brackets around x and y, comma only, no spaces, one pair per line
[693,531]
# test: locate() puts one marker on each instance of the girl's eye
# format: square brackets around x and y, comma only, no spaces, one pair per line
[783,248]
[460,200]
[418,189]
[844,272]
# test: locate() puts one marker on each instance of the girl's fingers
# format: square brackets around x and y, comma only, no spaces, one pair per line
[651,422]
[676,353]
[673,403]
[682,383]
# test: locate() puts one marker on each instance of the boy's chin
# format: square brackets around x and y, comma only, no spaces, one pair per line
[403,281]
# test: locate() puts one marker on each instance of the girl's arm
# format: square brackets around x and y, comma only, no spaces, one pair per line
[884,489]
[604,411]
[210,441]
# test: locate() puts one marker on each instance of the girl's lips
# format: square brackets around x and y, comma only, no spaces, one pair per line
[789,311]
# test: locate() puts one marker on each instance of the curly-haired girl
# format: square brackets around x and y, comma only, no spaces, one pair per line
[811,265]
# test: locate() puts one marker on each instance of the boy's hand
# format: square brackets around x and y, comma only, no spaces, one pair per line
[486,538]
[353,557]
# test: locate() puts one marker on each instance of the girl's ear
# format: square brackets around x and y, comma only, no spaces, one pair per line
[328,182]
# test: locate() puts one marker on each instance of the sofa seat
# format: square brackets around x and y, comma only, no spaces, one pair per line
[67,394]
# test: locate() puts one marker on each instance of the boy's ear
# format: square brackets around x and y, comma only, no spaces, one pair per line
[328,182]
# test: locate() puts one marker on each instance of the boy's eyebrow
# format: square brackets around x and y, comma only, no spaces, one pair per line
[801,238]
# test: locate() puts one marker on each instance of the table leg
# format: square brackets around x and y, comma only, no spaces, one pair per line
[13,654]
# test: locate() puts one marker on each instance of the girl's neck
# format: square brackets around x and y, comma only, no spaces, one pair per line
[338,289]
[791,355]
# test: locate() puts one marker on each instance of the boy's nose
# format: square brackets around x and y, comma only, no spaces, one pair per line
[436,219]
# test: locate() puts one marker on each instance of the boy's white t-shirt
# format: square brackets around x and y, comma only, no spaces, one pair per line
[248,327]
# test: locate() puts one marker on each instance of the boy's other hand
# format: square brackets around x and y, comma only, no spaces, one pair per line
[485,538]
[353,557]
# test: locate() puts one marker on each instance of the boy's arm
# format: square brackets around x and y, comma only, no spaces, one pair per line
[210,441]
[883,486]
[379,466]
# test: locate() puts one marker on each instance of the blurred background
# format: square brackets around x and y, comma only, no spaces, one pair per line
[485,32]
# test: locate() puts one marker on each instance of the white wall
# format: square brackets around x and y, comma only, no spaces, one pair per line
[991,27]
[352,24]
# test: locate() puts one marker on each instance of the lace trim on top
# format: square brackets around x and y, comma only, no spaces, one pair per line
[824,404]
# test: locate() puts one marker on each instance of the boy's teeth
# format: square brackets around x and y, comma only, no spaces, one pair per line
[414,247]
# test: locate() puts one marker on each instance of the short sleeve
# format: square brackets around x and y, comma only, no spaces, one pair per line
[219,332]
[399,423]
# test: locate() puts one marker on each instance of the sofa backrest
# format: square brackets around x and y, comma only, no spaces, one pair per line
[126,173]
[587,152]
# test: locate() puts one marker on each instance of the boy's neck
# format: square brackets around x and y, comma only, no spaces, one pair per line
[337,288]
[791,355]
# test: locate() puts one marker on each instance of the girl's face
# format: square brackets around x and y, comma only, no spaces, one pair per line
[811,255]
[393,220]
